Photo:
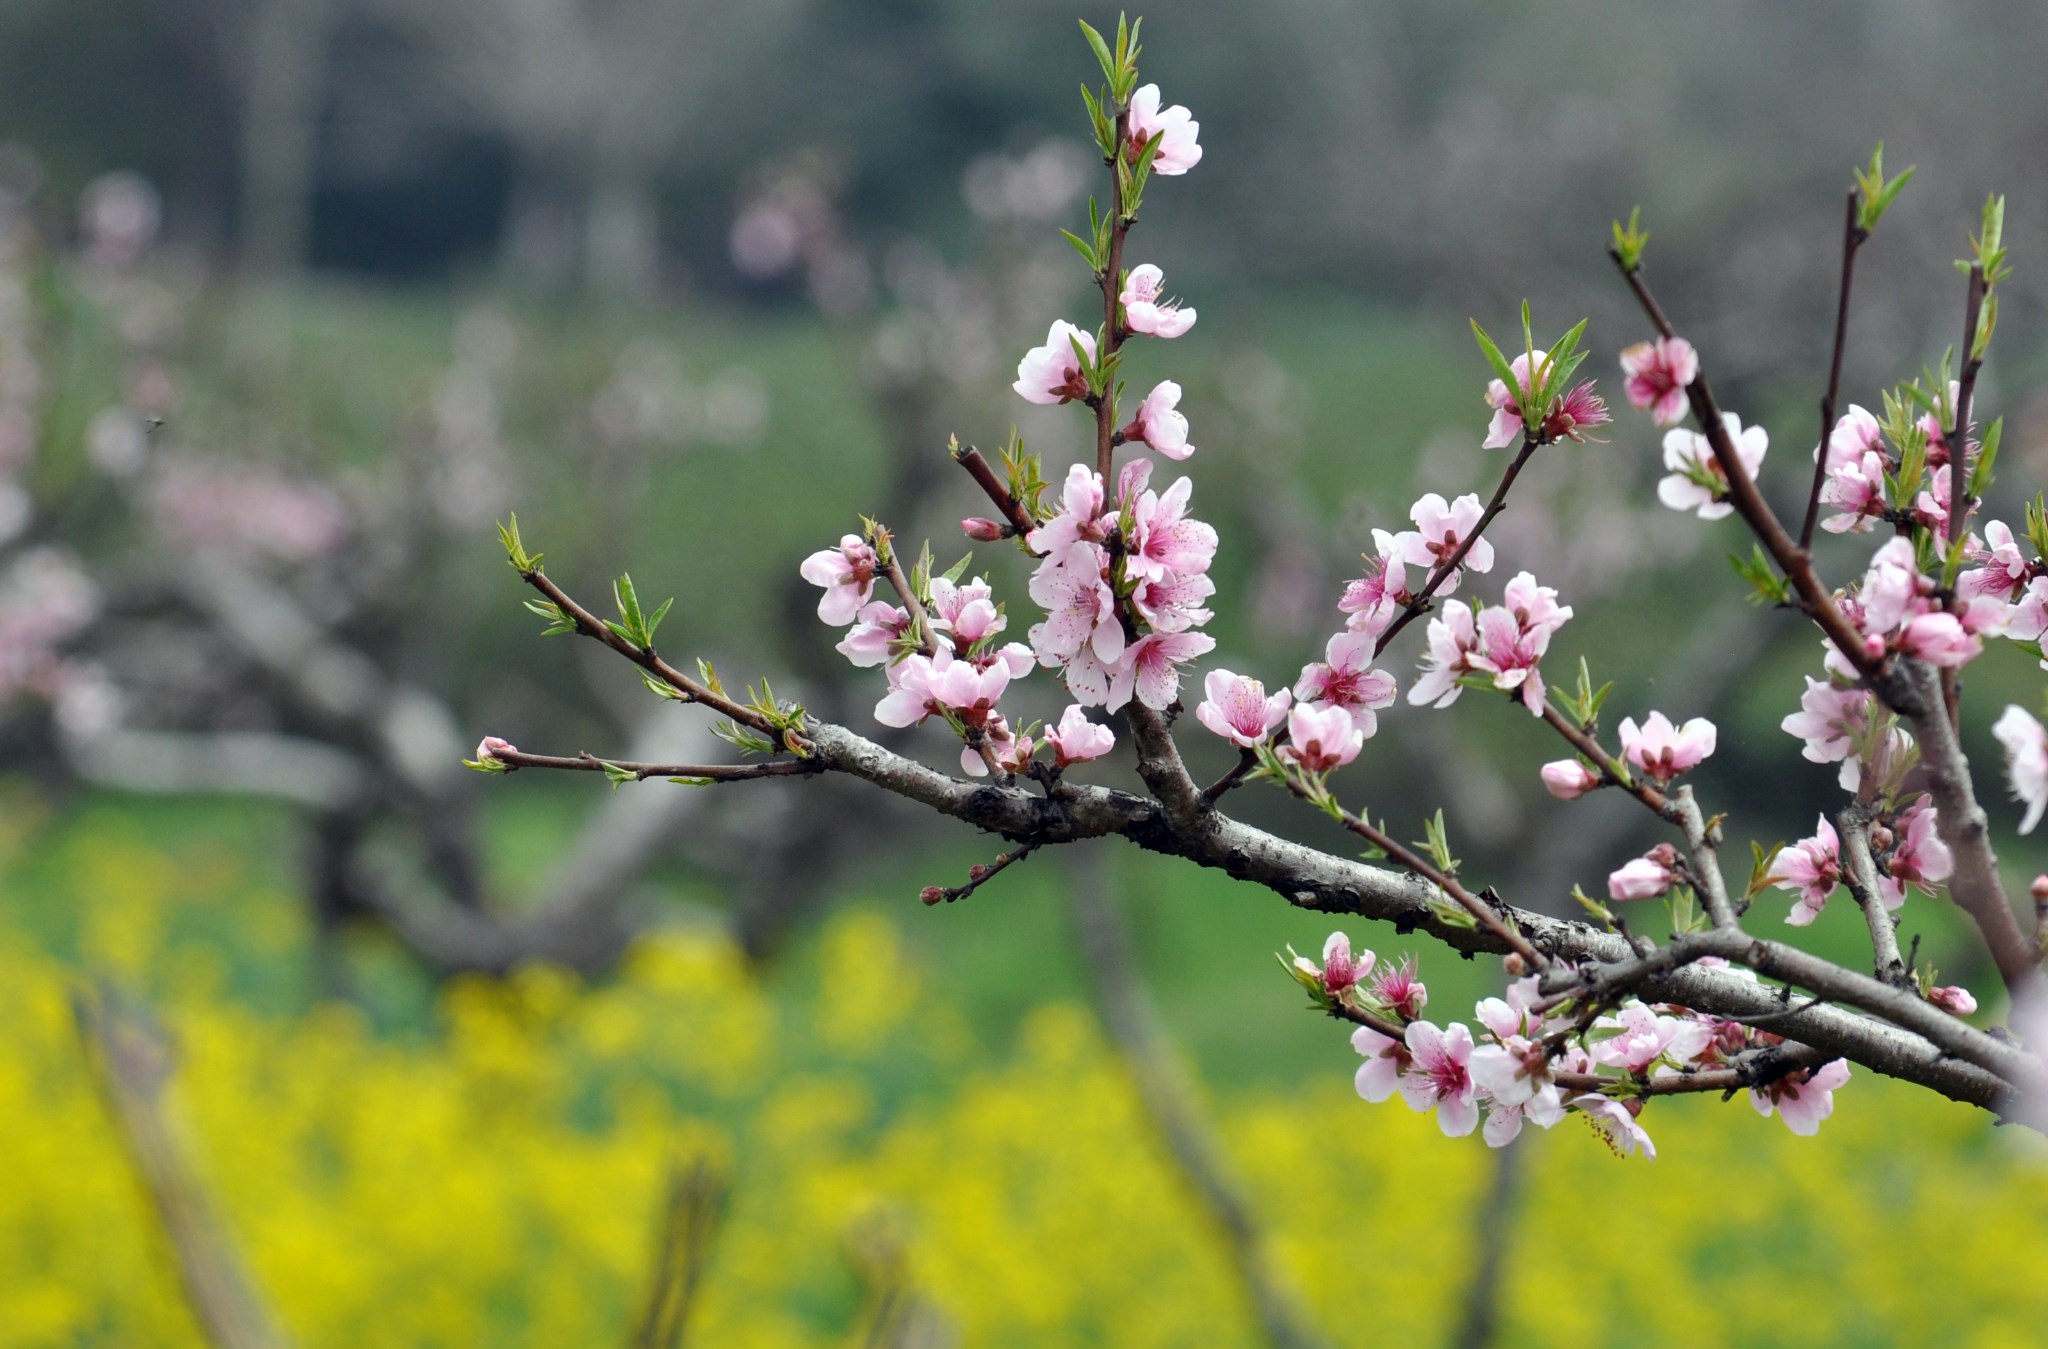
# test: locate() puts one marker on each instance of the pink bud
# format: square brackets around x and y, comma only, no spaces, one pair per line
[494,747]
[931,894]
[1954,999]
[980,530]
[1568,779]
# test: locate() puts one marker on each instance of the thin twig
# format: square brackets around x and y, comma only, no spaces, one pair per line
[1404,856]
[1961,502]
[1447,568]
[1016,522]
[1859,873]
[591,626]
[586,762]
[1852,240]
[1793,560]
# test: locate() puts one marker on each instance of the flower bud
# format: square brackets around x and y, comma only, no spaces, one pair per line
[1568,779]
[981,530]
[1515,966]
[931,894]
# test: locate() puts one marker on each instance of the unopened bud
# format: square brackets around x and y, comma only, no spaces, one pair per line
[931,894]
[2039,889]
[1881,838]
[977,872]
[1515,965]
[983,531]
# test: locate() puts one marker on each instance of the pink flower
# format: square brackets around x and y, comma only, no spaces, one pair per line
[1164,539]
[1645,877]
[940,684]
[1830,720]
[1857,490]
[1321,738]
[1803,1099]
[493,747]
[1506,426]
[1052,373]
[1080,518]
[967,611]
[1146,311]
[1452,639]
[1175,126]
[1172,603]
[2028,619]
[2002,570]
[1345,678]
[1616,1124]
[848,575]
[1080,607]
[1375,598]
[1930,508]
[1385,1059]
[1569,779]
[1919,856]
[1158,424]
[1640,1037]
[1151,668]
[1077,739]
[876,628]
[1697,482]
[1238,709]
[1514,636]
[1810,869]
[1397,989]
[1954,999]
[1855,434]
[1437,1079]
[1340,970]
[1657,373]
[2026,761]
[1893,590]
[1662,751]
[968,692]
[1574,413]
[1441,527]
[1940,639]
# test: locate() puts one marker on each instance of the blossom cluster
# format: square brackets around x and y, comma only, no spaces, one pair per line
[1535,1060]
[1122,571]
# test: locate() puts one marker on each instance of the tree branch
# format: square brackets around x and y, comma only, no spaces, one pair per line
[1859,873]
[1852,239]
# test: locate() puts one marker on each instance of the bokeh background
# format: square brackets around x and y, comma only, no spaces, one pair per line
[307,1035]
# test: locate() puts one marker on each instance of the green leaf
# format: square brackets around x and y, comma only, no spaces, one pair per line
[558,622]
[1760,860]
[526,564]
[1084,248]
[634,627]
[1101,50]
[1875,193]
[1766,585]
[662,689]
[953,573]
[1629,241]
[1502,371]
